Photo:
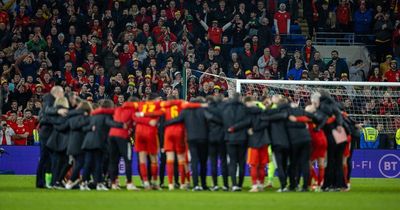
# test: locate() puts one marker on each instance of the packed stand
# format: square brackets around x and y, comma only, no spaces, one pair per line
[114,50]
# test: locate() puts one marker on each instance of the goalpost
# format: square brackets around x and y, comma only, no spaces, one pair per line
[373,103]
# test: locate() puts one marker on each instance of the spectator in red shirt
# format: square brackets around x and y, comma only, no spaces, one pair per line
[343,15]
[30,123]
[214,32]
[393,74]
[282,20]
[21,133]
[375,76]
[276,47]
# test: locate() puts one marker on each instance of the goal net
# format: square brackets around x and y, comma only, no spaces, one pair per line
[370,103]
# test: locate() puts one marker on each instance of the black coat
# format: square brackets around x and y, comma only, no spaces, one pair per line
[45,126]
[234,112]
[195,124]
[58,139]
[298,131]
[260,136]
[102,121]
[214,122]
[277,127]
[76,121]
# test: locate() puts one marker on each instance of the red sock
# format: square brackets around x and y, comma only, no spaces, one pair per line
[154,171]
[182,174]
[261,174]
[313,175]
[345,172]
[254,174]
[321,175]
[170,171]
[143,172]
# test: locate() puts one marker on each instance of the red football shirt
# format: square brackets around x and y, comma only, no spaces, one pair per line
[282,19]
[20,130]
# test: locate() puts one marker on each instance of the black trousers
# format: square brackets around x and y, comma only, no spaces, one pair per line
[281,158]
[59,165]
[163,162]
[299,165]
[44,165]
[93,159]
[237,158]
[217,151]
[79,161]
[334,177]
[198,153]
[120,148]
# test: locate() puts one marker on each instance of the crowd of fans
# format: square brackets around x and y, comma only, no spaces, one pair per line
[116,49]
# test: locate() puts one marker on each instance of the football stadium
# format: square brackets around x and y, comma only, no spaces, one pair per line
[199,104]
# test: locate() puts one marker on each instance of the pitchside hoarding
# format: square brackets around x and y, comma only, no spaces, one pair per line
[365,163]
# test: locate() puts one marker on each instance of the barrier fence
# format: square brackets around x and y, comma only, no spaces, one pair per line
[22,160]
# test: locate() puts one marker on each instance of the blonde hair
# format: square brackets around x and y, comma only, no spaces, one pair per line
[61,102]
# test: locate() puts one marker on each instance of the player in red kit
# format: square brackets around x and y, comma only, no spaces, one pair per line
[282,20]
[146,141]
[319,145]
[174,139]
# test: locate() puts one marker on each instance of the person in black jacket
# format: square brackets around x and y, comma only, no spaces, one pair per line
[57,142]
[235,111]
[197,137]
[94,143]
[76,120]
[334,178]
[279,138]
[217,145]
[45,128]
[300,141]
[259,139]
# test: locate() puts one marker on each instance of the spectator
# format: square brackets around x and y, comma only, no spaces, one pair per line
[339,63]
[214,32]
[362,19]
[282,20]
[283,63]
[264,31]
[376,76]
[265,62]
[276,47]
[392,75]
[318,61]
[357,71]
[296,72]
[343,15]
[308,52]
[369,138]
[6,134]
[383,31]
[385,66]
[247,57]
[314,73]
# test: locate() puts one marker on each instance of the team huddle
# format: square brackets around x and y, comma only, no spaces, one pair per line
[82,143]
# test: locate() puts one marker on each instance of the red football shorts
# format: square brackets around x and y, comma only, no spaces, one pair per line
[257,156]
[146,140]
[319,145]
[174,140]
[346,152]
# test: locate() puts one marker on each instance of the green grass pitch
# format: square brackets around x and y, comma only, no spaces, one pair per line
[18,192]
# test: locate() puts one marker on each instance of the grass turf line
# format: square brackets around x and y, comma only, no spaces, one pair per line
[18,192]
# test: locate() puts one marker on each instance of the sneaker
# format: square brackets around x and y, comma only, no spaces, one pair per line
[84,187]
[115,187]
[317,189]
[171,187]
[58,186]
[131,187]
[101,187]
[254,188]
[225,188]
[146,185]
[215,188]
[236,189]
[282,190]
[69,185]
[184,187]
[197,188]
[155,187]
